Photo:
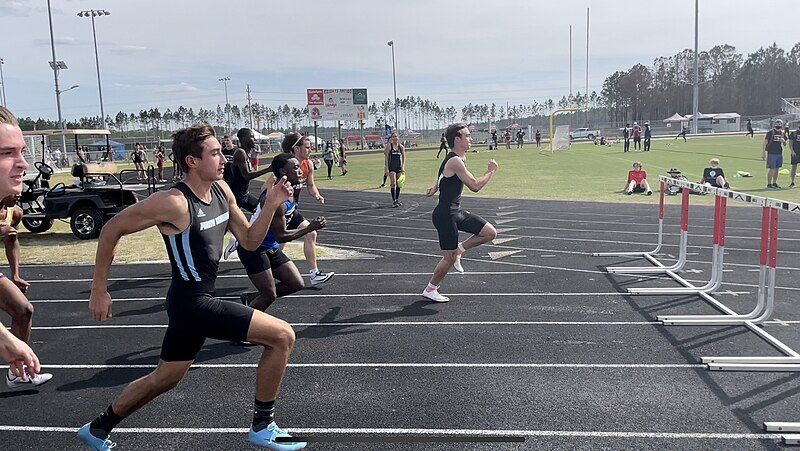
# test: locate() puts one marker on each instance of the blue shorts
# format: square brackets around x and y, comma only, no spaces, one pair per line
[774,160]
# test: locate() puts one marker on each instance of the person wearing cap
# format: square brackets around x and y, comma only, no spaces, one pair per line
[794,137]
[647,136]
[774,141]
[714,175]
[637,180]
[675,173]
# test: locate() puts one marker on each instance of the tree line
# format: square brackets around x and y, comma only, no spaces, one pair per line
[729,82]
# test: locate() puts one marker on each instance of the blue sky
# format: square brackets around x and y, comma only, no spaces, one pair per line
[166,53]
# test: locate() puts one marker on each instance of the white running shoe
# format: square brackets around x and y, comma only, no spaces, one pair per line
[16,382]
[321,277]
[230,249]
[457,265]
[435,296]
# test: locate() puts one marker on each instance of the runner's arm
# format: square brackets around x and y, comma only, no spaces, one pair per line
[250,236]
[474,185]
[12,251]
[312,187]
[278,227]
[167,208]
[240,161]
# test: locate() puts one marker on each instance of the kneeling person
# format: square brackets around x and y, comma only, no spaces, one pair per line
[268,262]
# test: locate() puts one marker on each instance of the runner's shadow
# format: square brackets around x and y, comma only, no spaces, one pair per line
[329,326]
[17,394]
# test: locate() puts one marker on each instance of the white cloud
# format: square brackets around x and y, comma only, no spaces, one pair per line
[127,49]
[59,40]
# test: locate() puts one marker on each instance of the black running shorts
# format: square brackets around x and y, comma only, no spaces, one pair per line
[261,260]
[449,222]
[295,222]
[195,316]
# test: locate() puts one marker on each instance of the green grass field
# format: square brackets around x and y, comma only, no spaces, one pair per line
[585,172]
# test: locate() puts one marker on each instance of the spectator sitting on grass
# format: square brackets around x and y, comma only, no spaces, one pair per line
[714,175]
[674,173]
[637,180]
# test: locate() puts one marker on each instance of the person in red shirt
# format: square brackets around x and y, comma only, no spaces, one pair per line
[637,180]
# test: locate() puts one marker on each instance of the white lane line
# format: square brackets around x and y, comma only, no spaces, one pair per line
[431,432]
[393,365]
[391,323]
[357,295]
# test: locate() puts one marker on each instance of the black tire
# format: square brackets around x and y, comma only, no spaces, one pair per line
[590,136]
[37,225]
[86,222]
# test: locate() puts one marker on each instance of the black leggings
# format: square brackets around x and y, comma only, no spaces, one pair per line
[329,163]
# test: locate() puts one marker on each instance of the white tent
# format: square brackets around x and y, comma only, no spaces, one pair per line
[275,135]
[315,140]
[675,118]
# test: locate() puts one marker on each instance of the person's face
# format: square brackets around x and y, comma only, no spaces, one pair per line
[212,164]
[303,150]
[228,143]
[292,171]
[637,167]
[12,160]
[463,139]
[248,141]
[393,138]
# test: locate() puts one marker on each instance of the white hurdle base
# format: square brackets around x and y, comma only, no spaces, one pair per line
[777,426]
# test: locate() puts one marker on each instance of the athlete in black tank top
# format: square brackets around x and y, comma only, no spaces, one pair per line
[193,218]
[395,160]
[448,216]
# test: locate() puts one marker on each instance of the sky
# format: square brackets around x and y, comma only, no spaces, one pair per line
[173,52]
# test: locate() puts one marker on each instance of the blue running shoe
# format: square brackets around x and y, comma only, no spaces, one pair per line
[266,437]
[93,442]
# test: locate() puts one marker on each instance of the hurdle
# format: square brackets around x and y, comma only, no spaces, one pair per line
[662,188]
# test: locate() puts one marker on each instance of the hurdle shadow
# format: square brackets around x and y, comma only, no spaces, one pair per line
[331,329]
[743,414]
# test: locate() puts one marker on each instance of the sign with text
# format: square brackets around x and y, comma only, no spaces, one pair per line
[337,104]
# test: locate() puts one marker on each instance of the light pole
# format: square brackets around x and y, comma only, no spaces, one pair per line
[56,66]
[2,81]
[696,87]
[225,80]
[394,82]
[92,13]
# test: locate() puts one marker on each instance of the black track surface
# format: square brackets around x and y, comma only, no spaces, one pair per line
[607,376]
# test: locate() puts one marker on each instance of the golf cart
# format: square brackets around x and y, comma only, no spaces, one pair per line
[99,191]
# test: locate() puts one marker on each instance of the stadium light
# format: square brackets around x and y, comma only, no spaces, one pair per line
[92,13]
[225,80]
[2,81]
[56,66]
[394,82]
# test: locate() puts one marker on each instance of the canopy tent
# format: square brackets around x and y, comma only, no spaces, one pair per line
[259,136]
[675,118]
[352,138]
[316,140]
[275,135]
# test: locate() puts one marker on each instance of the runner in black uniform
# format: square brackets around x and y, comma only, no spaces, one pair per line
[442,146]
[448,216]
[193,218]
[238,173]
[395,164]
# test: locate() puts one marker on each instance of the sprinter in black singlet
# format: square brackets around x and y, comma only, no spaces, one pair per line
[448,216]
[193,218]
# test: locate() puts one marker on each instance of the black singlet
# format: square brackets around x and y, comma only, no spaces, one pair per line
[194,253]
[450,188]
[233,176]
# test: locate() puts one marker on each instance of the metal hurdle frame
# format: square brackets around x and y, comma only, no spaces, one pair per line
[655,251]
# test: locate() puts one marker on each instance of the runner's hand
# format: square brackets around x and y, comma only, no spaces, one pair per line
[21,283]
[432,190]
[493,166]
[100,305]
[318,223]
[19,355]
[319,198]
[279,192]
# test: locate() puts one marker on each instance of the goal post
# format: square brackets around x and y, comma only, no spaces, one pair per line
[557,133]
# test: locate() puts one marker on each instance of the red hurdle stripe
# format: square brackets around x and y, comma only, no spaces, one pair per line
[773,239]
[716,219]
[765,221]
[685,210]
[723,217]
[661,191]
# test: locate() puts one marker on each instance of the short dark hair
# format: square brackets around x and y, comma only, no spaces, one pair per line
[291,140]
[7,117]
[279,162]
[188,141]
[452,131]
[243,133]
